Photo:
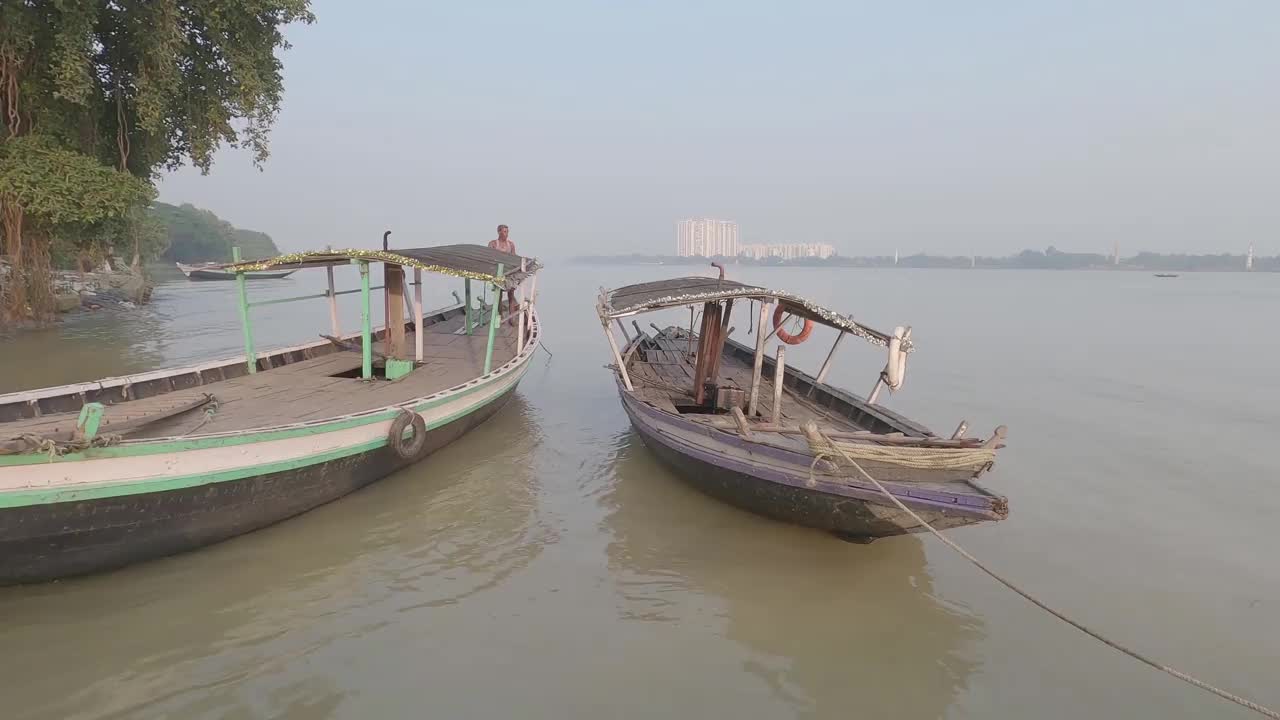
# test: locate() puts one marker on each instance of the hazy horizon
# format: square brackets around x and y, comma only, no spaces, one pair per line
[593,128]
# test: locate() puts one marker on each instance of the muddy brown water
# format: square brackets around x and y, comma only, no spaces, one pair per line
[547,566]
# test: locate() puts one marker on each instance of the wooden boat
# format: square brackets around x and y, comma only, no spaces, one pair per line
[218,271]
[99,474]
[741,426]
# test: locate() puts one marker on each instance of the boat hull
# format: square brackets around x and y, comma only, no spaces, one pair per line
[781,493]
[48,541]
[195,272]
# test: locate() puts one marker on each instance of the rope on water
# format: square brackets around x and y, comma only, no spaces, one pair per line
[1243,702]
[908,457]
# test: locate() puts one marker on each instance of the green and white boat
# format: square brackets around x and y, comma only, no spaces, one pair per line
[101,474]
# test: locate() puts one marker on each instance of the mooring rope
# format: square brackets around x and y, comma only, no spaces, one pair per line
[1243,702]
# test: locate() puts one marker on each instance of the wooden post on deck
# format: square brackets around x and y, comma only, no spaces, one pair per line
[758,368]
[366,330]
[493,324]
[713,369]
[466,317]
[417,314]
[779,378]
[708,339]
[249,355]
[393,281]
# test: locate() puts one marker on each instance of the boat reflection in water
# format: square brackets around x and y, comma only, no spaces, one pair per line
[833,628]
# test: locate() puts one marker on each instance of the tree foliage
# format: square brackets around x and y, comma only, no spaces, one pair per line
[195,235]
[97,96]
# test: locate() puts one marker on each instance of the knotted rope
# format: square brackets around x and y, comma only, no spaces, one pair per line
[1243,702]
[56,448]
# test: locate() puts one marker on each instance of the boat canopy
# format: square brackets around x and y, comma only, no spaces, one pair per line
[677,292]
[475,262]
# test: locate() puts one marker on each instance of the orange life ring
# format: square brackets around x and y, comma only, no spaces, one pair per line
[787,337]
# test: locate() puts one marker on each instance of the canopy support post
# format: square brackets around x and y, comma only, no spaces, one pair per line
[466,317]
[251,358]
[875,391]
[617,356]
[779,381]
[758,368]
[417,314]
[393,282]
[493,323]
[826,364]
[333,300]
[366,334]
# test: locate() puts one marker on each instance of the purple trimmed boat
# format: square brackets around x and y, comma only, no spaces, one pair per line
[741,426]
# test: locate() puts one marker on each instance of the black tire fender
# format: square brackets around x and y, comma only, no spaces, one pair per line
[410,447]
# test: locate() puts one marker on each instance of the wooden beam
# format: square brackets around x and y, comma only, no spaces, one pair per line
[393,281]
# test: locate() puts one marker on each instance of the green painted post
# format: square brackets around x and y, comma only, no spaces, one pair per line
[251,358]
[366,332]
[89,420]
[467,317]
[493,324]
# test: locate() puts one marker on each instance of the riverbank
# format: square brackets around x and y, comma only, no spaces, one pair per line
[114,283]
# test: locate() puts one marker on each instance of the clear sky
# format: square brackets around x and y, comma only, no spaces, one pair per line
[592,126]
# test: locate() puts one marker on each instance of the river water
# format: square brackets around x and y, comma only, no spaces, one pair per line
[546,566]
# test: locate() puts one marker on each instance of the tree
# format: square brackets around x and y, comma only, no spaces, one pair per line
[98,96]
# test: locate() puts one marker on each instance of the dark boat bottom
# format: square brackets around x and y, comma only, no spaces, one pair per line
[849,519]
[46,542]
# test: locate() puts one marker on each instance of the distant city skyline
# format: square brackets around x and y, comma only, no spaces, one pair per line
[787,251]
[706,237]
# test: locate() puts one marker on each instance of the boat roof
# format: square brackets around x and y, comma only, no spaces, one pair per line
[476,262]
[677,292]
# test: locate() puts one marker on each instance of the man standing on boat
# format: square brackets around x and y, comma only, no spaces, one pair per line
[502,244]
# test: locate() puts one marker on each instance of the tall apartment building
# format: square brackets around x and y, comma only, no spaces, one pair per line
[706,237]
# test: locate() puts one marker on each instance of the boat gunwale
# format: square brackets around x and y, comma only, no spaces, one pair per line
[416,404]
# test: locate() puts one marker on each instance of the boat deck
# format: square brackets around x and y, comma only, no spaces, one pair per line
[328,385]
[662,374]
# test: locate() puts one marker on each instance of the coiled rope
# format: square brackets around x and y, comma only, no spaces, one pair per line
[1243,702]
[908,457]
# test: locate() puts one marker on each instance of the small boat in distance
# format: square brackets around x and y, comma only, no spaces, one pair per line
[101,474]
[742,426]
[1166,275]
[218,271]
